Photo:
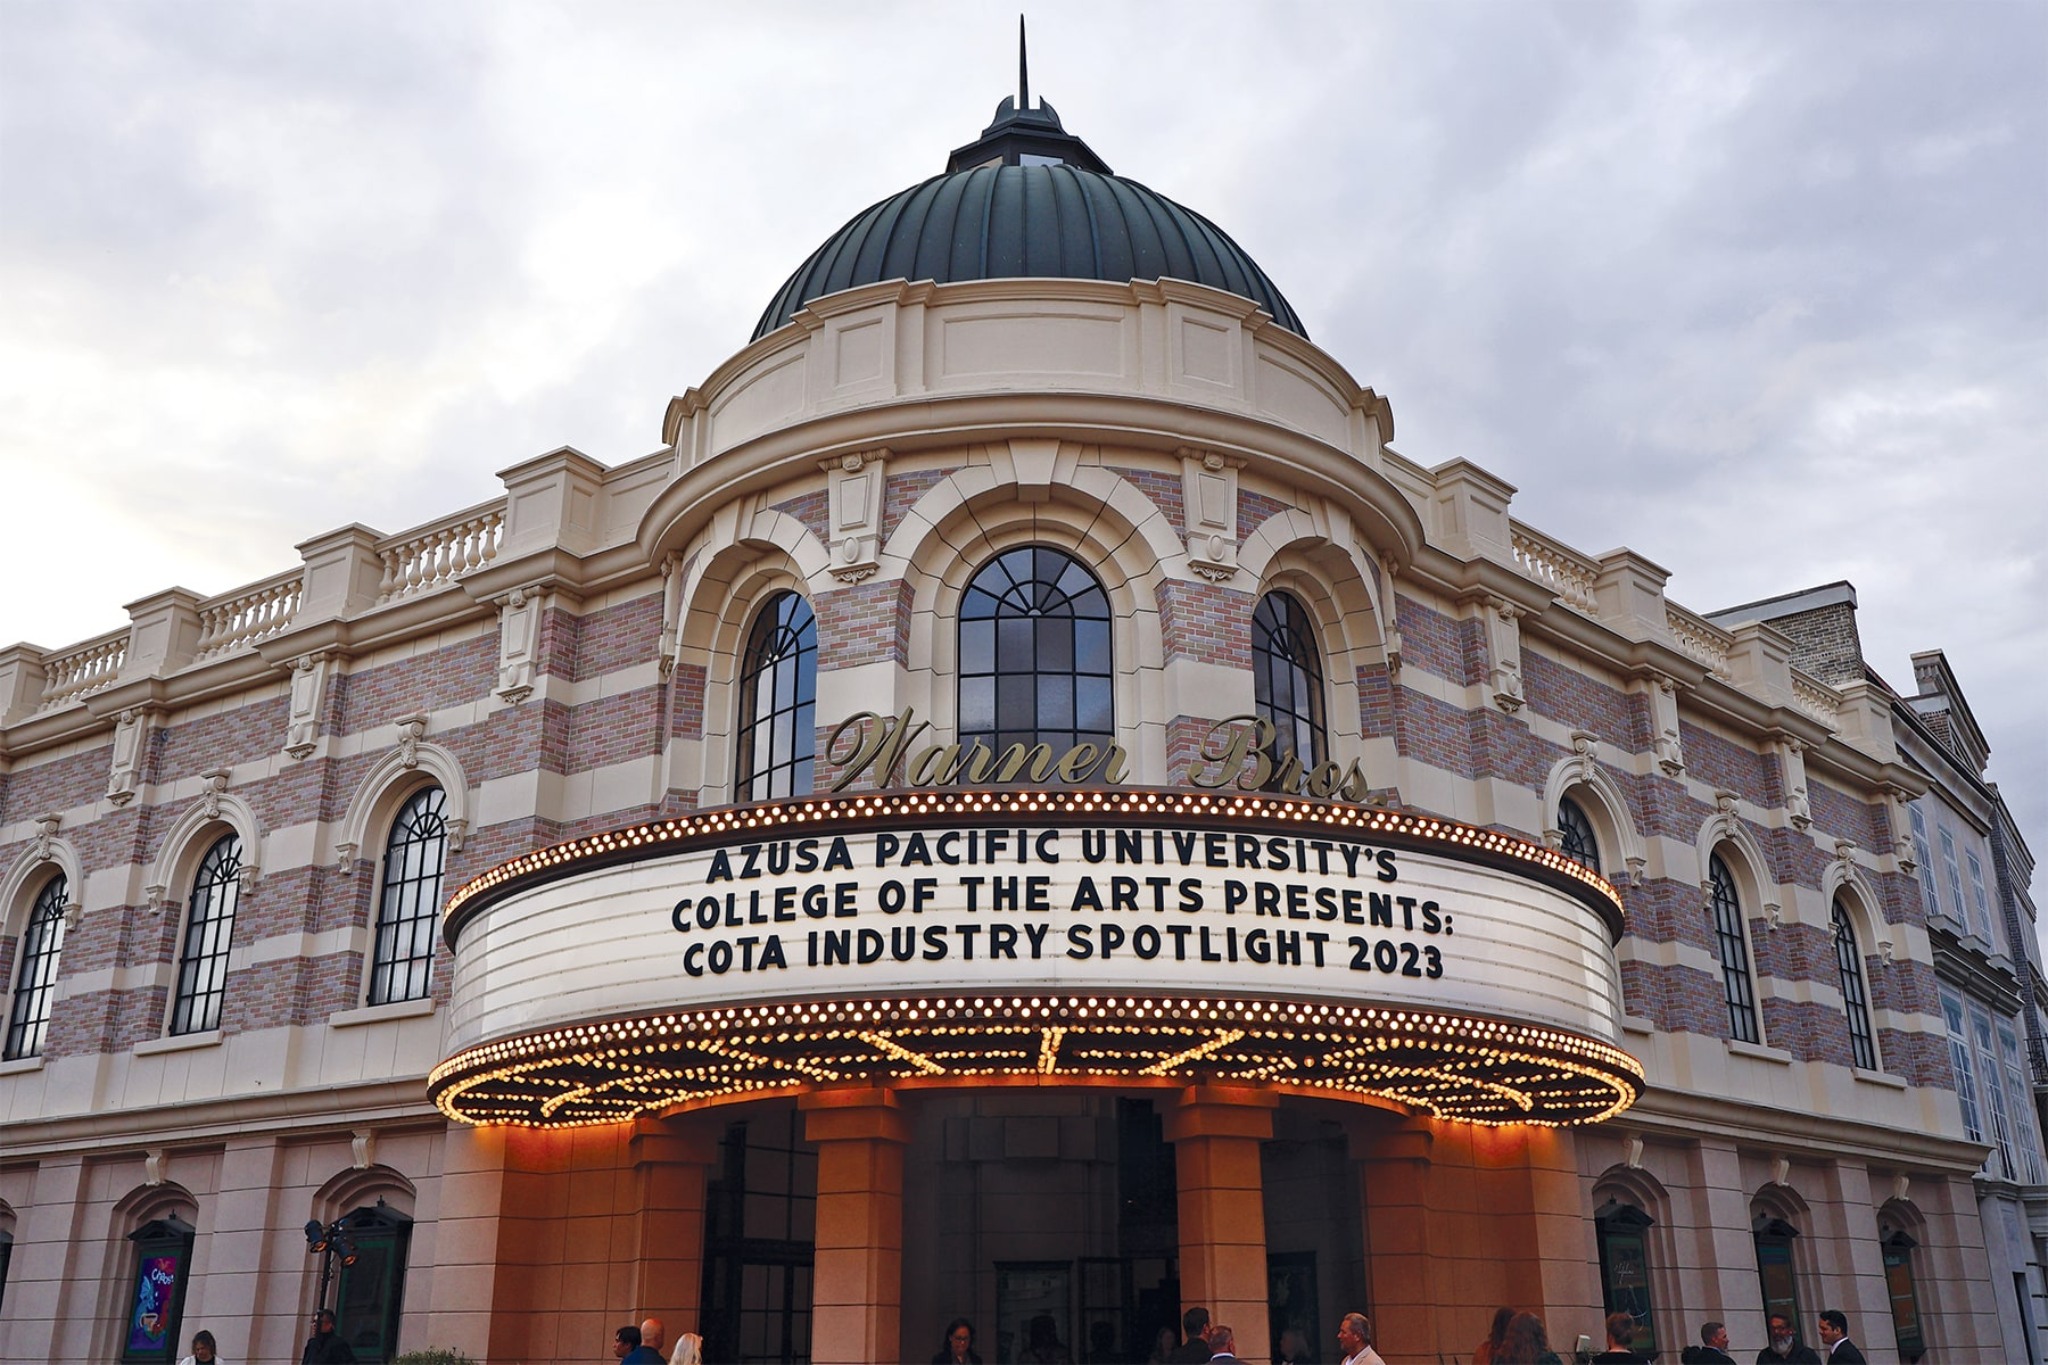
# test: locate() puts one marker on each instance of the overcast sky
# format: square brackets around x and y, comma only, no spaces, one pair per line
[1759,290]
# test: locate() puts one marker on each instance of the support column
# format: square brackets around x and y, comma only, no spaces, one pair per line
[1393,1193]
[857,1276]
[1216,1131]
[671,1164]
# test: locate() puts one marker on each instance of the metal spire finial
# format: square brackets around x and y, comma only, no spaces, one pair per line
[1023,70]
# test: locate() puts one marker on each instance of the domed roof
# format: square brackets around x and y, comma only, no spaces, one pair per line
[1027,199]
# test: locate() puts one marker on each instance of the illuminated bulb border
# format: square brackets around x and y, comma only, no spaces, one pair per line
[1456,1067]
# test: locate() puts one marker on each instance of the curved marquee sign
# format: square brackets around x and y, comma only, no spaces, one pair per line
[1141,937]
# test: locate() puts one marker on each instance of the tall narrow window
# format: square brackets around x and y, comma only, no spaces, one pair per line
[1774,1270]
[1905,1296]
[1579,844]
[1855,1000]
[1734,945]
[1035,665]
[778,732]
[371,1293]
[1978,901]
[402,964]
[1955,878]
[1994,1091]
[1959,1059]
[1287,679]
[1923,855]
[35,986]
[1623,1233]
[2026,1135]
[209,925]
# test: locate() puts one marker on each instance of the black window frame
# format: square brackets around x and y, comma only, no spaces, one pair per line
[1577,839]
[203,958]
[157,1240]
[1776,1256]
[1287,658]
[1732,937]
[781,657]
[1021,597]
[1623,1233]
[409,903]
[35,983]
[1855,991]
[373,1286]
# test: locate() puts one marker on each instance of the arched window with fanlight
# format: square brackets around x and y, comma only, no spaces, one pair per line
[1035,659]
[1287,678]
[1855,997]
[409,912]
[35,984]
[1576,832]
[1733,944]
[209,926]
[778,734]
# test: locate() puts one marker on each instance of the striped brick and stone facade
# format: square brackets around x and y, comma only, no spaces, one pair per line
[563,661]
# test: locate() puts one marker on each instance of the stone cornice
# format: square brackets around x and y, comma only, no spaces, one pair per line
[1793,1132]
[338,1108]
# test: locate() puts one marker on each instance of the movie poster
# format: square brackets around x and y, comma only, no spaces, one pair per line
[156,1291]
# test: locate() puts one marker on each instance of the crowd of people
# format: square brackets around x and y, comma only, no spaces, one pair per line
[1516,1338]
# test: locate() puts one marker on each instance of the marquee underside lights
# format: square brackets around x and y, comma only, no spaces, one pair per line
[1452,1066]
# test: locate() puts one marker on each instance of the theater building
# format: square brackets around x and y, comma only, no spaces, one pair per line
[1025,807]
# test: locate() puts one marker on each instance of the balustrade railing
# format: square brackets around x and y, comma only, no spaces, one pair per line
[436,555]
[1565,572]
[82,669]
[1700,638]
[249,614]
[1816,698]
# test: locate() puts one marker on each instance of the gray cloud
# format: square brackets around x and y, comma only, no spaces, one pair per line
[1757,290]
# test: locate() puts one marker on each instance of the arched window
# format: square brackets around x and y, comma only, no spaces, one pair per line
[1855,999]
[402,963]
[1035,664]
[778,731]
[1622,1231]
[35,985]
[1287,678]
[209,925]
[1734,947]
[1579,844]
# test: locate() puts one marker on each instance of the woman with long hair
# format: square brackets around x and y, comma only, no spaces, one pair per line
[1525,1343]
[689,1350]
[1489,1349]
[204,1352]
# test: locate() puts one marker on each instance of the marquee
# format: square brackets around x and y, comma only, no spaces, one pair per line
[1140,937]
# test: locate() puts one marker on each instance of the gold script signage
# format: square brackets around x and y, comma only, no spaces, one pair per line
[1237,751]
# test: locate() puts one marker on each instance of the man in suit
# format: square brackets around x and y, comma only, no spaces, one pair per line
[1834,1335]
[1713,1347]
[1223,1342]
[1195,1350]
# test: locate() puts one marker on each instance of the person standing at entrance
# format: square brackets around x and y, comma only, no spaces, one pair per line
[959,1347]
[1834,1335]
[627,1349]
[1222,1343]
[325,1348]
[1354,1339]
[652,1333]
[1195,1350]
[1621,1331]
[1786,1348]
[1713,1347]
